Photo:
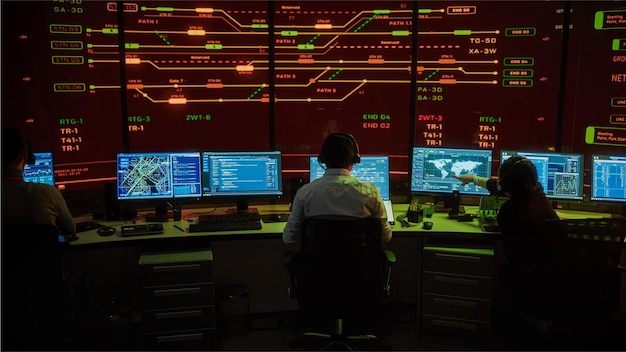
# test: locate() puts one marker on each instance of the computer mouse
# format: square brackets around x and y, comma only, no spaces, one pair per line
[427,225]
[106,231]
[278,217]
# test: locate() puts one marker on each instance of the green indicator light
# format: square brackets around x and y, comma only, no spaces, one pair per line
[306,46]
[91,86]
[400,33]
[89,45]
[615,45]
[131,45]
[213,46]
[598,21]
[165,9]
[382,12]
[425,11]
[88,30]
[90,61]
[590,133]
[289,33]
[260,25]
[109,31]
[462,32]
[144,8]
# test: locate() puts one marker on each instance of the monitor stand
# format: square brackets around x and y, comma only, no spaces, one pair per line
[160,213]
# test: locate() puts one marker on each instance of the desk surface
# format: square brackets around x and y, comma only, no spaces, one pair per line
[441,224]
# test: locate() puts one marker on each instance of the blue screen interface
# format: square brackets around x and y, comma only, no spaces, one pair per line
[374,169]
[42,171]
[158,175]
[432,169]
[241,174]
[560,174]
[608,178]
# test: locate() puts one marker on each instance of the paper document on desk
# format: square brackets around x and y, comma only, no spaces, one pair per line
[389,209]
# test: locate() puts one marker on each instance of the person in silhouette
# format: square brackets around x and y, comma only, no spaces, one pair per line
[337,193]
[28,202]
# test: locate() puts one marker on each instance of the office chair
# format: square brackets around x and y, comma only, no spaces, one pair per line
[577,280]
[32,288]
[340,278]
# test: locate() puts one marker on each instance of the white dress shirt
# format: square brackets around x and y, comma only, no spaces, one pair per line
[337,193]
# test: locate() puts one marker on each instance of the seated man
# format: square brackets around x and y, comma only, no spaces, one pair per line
[337,193]
[27,202]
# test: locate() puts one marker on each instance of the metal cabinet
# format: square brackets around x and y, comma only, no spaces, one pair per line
[456,294]
[177,300]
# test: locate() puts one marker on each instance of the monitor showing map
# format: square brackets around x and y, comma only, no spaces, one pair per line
[560,174]
[432,169]
[374,169]
[608,178]
[41,171]
[158,175]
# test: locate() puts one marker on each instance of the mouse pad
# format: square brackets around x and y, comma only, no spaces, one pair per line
[268,218]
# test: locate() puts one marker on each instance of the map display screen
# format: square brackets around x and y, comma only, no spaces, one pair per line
[560,174]
[374,169]
[432,169]
[42,171]
[158,175]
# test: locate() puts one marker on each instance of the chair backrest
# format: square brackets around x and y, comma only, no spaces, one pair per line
[583,257]
[31,285]
[341,268]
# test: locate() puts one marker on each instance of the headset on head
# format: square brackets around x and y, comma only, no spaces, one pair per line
[511,163]
[356,156]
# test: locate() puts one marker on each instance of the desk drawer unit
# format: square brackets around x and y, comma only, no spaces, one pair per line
[456,292]
[177,299]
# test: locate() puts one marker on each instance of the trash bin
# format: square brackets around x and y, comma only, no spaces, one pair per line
[233,311]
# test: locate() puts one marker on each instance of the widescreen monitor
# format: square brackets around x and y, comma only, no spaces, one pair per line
[42,171]
[158,175]
[374,169]
[608,178]
[432,169]
[241,174]
[560,174]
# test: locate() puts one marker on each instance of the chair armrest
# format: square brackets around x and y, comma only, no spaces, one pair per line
[390,256]
[287,258]
[288,262]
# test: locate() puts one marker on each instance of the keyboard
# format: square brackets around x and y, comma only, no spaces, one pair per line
[227,222]
[142,229]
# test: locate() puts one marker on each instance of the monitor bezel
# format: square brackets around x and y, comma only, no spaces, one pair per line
[172,194]
[593,180]
[581,173]
[247,194]
[480,190]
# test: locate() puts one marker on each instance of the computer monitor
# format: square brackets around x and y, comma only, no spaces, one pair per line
[560,174]
[42,171]
[242,175]
[608,178]
[432,169]
[158,175]
[374,169]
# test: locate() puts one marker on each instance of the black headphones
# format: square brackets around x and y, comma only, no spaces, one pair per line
[332,146]
[507,171]
[30,159]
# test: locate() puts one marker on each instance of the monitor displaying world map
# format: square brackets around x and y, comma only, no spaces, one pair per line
[432,169]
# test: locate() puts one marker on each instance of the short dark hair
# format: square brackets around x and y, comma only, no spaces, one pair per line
[14,145]
[518,175]
[339,150]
